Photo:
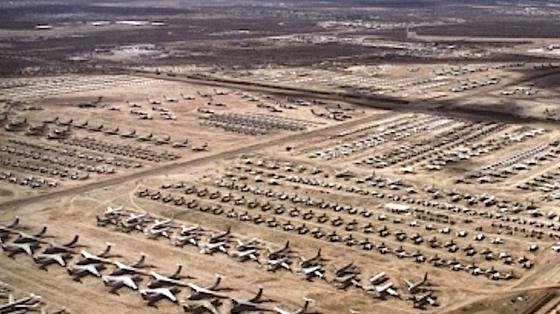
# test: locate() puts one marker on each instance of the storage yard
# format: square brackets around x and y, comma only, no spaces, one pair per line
[396,171]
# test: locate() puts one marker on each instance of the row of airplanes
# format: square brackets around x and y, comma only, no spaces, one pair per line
[123,275]
[276,259]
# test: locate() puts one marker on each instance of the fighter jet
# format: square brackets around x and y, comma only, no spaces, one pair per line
[249,305]
[152,296]
[414,287]
[301,310]
[160,280]
[22,305]
[212,291]
[117,282]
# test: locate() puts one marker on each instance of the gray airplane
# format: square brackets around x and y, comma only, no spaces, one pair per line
[132,269]
[160,228]
[281,252]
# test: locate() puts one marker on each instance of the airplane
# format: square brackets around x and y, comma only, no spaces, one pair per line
[211,248]
[381,291]
[183,144]
[301,310]
[201,306]
[14,248]
[224,236]
[313,271]
[279,262]
[22,305]
[347,280]
[56,253]
[414,287]
[153,102]
[279,252]
[187,97]
[421,300]
[125,269]
[200,148]
[346,269]
[312,260]
[6,230]
[130,134]
[146,138]
[160,280]
[154,295]
[250,305]
[89,258]
[212,291]
[134,222]
[160,228]
[378,278]
[31,238]
[187,235]
[251,244]
[170,99]
[78,270]
[119,281]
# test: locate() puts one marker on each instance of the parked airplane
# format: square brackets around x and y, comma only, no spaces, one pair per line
[21,305]
[250,305]
[160,280]
[152,296]
[117,282]
[414,287]
[212,291]
[301,310]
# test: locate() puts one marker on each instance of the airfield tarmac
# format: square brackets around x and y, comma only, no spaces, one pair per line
[270,162]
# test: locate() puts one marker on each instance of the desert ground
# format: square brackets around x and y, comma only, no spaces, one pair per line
[295,157]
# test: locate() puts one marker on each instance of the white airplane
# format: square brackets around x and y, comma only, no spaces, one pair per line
[381,291]
[22,305]
[160,280]
[414,287]
[317,258]
[301,310]
[14,248]
[6,230]
[249,305]
[187,235]
[378,278]
[274,254]
[154,295]
[89,258]
[160,228]
[211,248]
[212,291]
[118,281]
[125,269]
[280,262]
[313,271]
[78,271]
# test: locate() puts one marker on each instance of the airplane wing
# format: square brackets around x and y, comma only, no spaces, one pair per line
[281,311]
[168,294]
[27,249]
[58,258]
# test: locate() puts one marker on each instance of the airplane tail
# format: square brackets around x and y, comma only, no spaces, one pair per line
[258,296]
[14,223]
[106,250]
[41,232]
[287,245]
[72,242]
[140,261]
[425,277]
[177,272]
[216,283]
